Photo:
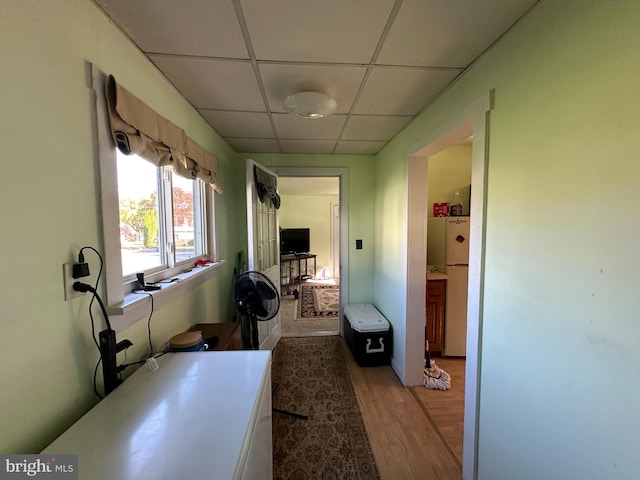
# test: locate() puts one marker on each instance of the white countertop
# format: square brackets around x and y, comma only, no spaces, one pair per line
[189,419]
[437,275]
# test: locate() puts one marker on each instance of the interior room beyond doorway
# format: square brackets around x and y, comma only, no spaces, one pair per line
[310,231]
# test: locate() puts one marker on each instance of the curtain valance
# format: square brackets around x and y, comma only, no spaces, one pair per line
[202,164]
[138,129]
[266,187]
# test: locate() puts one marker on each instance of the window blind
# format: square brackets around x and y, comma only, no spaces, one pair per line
[138,129]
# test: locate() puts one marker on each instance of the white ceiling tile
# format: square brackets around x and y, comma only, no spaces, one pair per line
[350,147]
[307,146]
[343,31]
[374,127]
[339,82]
[448,34]
[213,84]
[239,124]
[253,145]
[292,127]
[326,46]
[401,91]
[196,27]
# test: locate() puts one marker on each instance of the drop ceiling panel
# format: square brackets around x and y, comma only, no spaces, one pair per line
[292,127]
[401,91]
[339,82]
[210,28]
[359,148]
[239,124]
[335,31]
[373,127]
[213,84]
[253,145]
[448,34]
[307,146]
[382,58]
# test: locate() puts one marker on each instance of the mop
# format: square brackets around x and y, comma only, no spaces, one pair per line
[434,377]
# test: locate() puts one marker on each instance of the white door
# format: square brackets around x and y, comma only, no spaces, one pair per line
[264,249]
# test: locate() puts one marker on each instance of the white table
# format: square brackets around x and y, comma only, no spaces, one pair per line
[201,415]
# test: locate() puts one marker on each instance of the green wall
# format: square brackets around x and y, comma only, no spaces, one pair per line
[312,212]
[559,377]
[50,209]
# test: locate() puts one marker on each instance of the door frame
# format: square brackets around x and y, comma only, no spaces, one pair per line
[343,177]
[473,120]
[335,241]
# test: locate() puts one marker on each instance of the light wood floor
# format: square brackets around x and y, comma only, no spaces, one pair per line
[446,408]
[403,434]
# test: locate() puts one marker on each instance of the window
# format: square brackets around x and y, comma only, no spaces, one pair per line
[139,211]
[162,221]
[157,208]
[157,222]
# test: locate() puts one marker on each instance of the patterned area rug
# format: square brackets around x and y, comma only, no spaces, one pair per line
[318,301]
[313,379]
[303,327]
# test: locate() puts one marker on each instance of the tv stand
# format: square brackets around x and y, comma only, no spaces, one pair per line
[293,280]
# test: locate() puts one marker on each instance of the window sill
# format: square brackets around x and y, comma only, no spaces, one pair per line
[138,305]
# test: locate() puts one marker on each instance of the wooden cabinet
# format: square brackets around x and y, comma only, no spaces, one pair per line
[229,335]
[436,291]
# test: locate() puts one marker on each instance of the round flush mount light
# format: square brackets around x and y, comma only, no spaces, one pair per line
[310,104]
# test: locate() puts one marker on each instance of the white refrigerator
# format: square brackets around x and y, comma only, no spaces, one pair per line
[448,250]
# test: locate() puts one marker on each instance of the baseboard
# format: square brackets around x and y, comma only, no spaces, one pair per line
[399,370]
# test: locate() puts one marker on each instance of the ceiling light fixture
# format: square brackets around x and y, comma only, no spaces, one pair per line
[310,104]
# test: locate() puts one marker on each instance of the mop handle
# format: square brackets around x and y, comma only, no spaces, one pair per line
[427,353]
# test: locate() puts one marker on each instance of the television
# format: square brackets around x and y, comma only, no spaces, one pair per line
[294,240]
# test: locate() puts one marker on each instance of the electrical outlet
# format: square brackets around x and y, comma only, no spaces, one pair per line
[69,292]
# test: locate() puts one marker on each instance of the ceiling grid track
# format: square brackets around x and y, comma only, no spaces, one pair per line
[367,74]
[383,62]
[256,69]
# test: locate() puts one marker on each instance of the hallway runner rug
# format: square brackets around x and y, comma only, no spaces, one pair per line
[318,301]
[312,379]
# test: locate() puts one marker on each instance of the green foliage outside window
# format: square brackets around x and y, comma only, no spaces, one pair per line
[150,228]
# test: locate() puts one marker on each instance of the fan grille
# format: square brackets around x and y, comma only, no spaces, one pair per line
[257,296]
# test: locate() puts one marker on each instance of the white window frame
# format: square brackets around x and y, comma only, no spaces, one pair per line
[169,264]
[128,307]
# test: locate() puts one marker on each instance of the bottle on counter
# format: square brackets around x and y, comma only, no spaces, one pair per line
[456,205]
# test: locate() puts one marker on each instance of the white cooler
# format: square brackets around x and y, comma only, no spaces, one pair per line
[368,334]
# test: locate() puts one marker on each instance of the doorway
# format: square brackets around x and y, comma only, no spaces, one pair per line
[449,172]
[470,122]
[314,199]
